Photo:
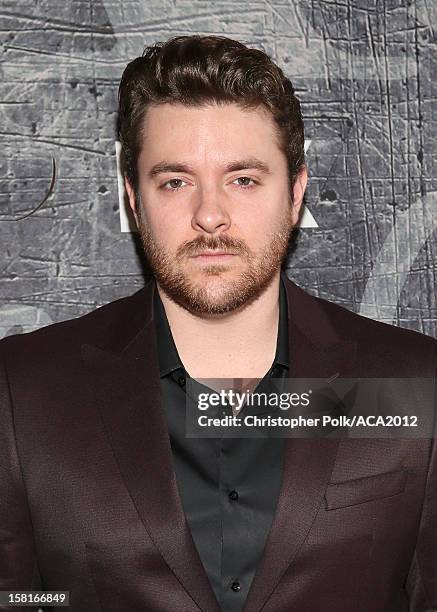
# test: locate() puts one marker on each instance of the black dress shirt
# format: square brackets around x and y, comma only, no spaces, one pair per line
[229,487]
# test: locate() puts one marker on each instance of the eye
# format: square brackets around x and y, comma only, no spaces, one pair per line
[244,182]
[173,184]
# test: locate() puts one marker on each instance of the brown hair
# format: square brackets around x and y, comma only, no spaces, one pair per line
[196,70]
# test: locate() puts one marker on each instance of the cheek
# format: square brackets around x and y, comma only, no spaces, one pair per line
[169,230]
[164,216]
[261,221]
[257,236]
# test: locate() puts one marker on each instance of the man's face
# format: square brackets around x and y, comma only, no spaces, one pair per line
[215,210]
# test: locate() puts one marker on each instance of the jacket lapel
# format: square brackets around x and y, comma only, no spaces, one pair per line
[315,351]
[127,385]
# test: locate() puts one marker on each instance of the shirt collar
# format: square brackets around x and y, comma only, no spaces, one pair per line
[168,357]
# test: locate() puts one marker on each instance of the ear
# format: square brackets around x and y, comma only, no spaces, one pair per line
[299,187]
[131,197]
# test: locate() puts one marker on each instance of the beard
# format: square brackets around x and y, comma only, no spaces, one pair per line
[215,293]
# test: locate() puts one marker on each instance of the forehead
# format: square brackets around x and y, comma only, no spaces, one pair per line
[208,130]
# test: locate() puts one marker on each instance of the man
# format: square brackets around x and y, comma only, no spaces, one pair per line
[102,493]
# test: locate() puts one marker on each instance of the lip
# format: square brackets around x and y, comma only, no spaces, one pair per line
[216,256]
[213,253]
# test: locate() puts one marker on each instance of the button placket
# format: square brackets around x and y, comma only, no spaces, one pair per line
[181,381]
[233,495]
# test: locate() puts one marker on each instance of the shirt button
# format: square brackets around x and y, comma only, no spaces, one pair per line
[236,586]
[181,381]
[233,495]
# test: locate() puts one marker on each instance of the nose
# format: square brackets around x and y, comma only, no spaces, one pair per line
[210,215]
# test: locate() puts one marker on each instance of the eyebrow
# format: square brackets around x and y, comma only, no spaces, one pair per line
[250,163]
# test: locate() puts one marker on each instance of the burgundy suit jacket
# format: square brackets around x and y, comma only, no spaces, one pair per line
[89,500]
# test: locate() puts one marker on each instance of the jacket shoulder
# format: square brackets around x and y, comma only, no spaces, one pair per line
[92,328]
[357,326]
[382,349]
[382,346]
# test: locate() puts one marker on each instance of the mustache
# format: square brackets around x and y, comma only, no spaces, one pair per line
[226,244]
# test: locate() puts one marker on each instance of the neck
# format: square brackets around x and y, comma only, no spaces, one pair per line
[239,344]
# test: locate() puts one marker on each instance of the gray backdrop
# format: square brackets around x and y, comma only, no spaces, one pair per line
[364,72]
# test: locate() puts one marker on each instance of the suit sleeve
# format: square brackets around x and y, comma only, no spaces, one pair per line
[18,564]
[421,582]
